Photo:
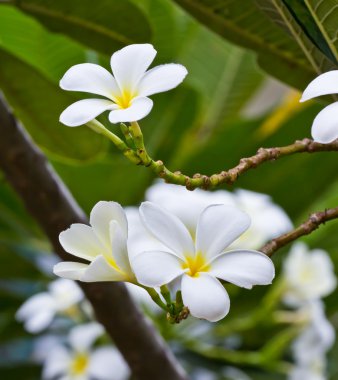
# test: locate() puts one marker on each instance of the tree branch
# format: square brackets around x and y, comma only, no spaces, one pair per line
[51,204]
[310,225]
[140,156]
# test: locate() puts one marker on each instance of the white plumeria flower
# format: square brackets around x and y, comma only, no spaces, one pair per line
[126,91]
[103,244]
[316,338]
[308,274]
[80,361]
[313,372]
[325,125]
[199,263]
[268,219]
[38,311]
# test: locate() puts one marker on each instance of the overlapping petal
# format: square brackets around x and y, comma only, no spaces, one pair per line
[243,268]
[325,125]
[167,228]
[88,77]
[156,268]
[324,84]
[85,110]
[130,63]
[119,247]
[161,78]
[205,297]
[70,269]
[139,108]
[218,226]
[101,270]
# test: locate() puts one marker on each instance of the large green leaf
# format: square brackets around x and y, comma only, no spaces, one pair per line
[37,102]
[319,20]
[278,53]
[103,25]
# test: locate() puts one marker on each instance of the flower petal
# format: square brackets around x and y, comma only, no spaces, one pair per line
[324,84]
[57,363]
[81,241]
[243,268]
[205,297]
[325,125]
[107,360]
[156,268]
[82,337]
[85,110]
[167,228]
[88,77]
[100,270]
[139,108]
[119,246]
[130,63]
[218,226]
[161,78]
[101,216]
[70,269]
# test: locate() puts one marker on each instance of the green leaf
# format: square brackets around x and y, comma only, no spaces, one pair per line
[278,53]
[103,25]
[319,20]
[37,102]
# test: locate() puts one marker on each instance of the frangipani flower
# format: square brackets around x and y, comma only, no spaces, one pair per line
[309,275]
[202,262]
[80,361]
[126,91]
[38,312]
[103,244]
[325,125]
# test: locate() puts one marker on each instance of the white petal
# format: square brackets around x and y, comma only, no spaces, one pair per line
[81,241]
[82,337]
[130,63]
[205,297]
[119,246]
[156,268]
[100,270]
[161,78]
[85,110]
[167,228]
[324,84]
[139,108]
[106,361]
[243,268]
[218,226]
[57,363]
[39,321]
[40,301]
[88,77]
[101,216]
[325,125]
[69,269]
[65,293]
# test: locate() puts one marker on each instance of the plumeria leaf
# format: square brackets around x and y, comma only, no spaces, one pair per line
[104,26]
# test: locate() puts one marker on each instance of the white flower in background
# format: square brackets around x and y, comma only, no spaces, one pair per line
[202,262]
[103,244]
[316,371]
[308,274]
[267,219]
[126,91]
[38,311]
[325,125]
[81,361]
[316,338]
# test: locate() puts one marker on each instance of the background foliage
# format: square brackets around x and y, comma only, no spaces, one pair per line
[228,107]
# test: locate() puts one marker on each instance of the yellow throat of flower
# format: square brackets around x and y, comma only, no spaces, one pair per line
[79,364]
[196,264]
[124,101]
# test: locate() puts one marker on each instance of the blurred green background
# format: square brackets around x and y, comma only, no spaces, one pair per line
[241,56]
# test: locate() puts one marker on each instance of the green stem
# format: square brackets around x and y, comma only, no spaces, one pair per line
[166,294]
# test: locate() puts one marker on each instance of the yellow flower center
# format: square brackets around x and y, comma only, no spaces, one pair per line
[124,101]
[79,364]
[196,264]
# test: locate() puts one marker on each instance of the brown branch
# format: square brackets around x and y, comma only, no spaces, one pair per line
[310,225]
[51,204]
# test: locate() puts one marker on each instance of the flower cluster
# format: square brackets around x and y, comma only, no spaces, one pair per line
[309,276]
[193,260]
